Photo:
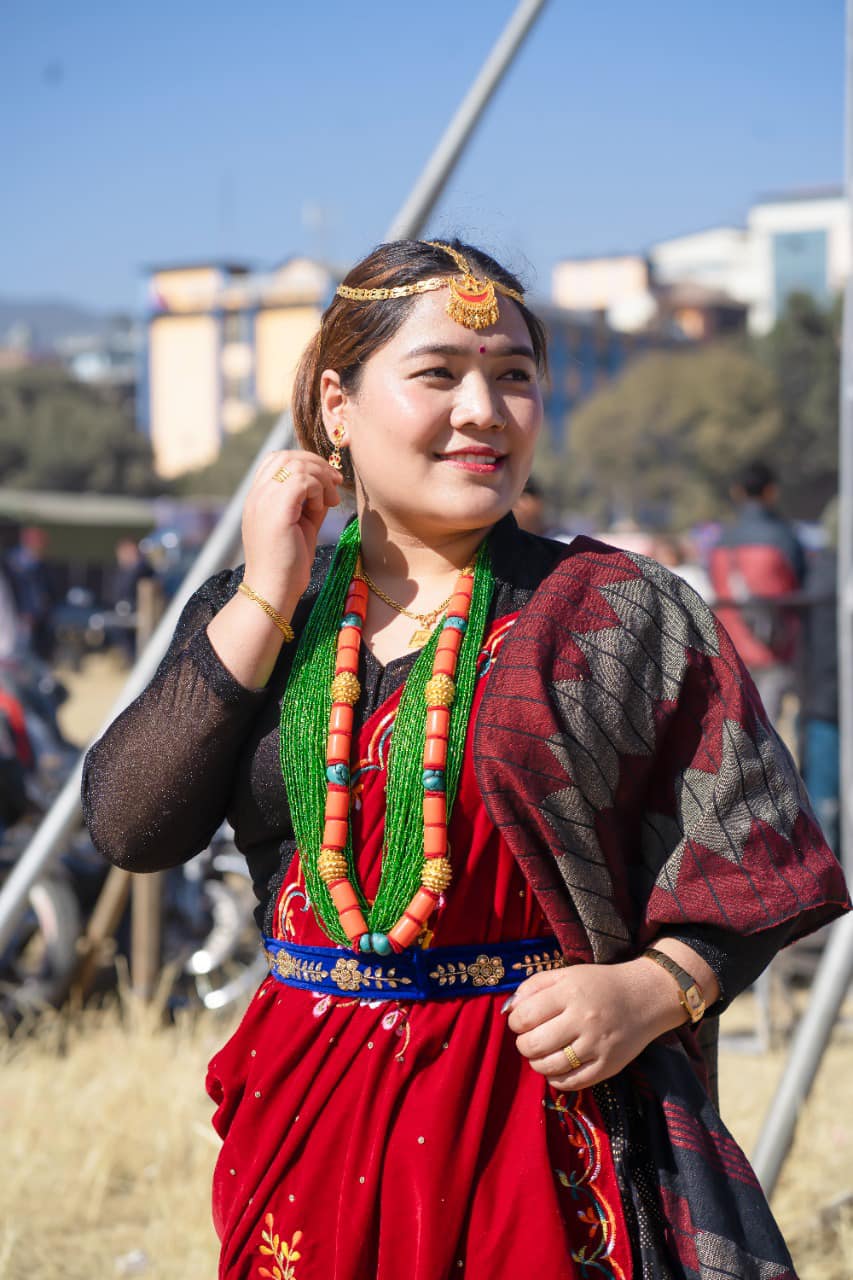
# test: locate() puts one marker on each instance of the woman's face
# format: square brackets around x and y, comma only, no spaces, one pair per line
[443,425]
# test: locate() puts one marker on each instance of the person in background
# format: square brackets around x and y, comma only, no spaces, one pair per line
[757,562]
[819,696]
[9,624]
[34,591]
[132,567]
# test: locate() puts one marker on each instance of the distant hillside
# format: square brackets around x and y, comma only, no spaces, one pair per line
[50,320]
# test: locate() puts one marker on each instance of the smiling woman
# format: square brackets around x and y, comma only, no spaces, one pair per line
[504,863]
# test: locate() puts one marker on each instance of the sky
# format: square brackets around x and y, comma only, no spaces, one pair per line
[184,130]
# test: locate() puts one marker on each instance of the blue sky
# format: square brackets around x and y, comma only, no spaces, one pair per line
[160,132]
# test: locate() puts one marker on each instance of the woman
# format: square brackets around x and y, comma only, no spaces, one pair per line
[500,759]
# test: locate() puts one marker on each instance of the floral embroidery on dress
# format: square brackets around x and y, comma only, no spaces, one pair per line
[376,758]
[396,1018]
[285,1255]
[595,1258]
[293,897]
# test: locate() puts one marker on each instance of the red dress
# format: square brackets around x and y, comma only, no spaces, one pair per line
[380,1140]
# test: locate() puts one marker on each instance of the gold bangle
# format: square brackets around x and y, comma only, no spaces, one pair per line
[283,625]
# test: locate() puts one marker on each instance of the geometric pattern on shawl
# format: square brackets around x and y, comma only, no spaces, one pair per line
[622,751]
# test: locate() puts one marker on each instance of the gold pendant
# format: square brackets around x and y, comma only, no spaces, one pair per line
[472,302]
[420,637]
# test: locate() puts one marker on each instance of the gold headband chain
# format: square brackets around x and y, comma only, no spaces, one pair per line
[472,301]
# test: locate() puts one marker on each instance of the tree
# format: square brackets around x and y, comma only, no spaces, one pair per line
[660,444]
[803,352]
[57,433]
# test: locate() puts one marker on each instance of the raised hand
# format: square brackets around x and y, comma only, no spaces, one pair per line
[285,507]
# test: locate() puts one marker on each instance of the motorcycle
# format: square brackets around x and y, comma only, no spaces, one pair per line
[209,938]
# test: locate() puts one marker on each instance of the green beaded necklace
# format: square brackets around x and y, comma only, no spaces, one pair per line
[304,725]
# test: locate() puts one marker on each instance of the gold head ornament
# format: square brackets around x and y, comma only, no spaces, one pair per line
[472,302]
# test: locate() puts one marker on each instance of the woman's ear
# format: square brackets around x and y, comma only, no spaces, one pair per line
[333,400]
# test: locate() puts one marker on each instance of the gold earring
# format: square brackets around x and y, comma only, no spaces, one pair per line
[337,436]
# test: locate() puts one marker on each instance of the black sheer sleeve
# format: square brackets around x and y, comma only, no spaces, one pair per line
[157,784]
[736,960]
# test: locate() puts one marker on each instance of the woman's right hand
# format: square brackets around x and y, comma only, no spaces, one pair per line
[281,521]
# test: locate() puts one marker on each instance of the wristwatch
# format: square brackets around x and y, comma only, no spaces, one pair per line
[689,991]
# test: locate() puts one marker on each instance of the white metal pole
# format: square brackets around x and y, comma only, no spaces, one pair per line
[836,968]
[845,501]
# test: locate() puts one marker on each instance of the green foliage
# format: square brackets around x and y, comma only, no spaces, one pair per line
[56,433]
[804,354]
[221,478]
[661,444]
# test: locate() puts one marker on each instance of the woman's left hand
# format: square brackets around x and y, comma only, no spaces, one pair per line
[606,1013]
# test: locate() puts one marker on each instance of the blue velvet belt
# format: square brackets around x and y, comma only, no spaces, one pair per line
[415,974]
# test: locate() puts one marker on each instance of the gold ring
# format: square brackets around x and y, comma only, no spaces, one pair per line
[574,1060]
[282,474]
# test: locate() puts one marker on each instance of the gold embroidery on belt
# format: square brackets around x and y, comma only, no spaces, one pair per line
[350,977]
[485,971]
[288,966]
[540,963]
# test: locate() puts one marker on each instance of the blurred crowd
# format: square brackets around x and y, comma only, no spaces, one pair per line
[772,584]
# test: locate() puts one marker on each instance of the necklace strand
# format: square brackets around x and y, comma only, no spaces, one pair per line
[426,619]
[422,778]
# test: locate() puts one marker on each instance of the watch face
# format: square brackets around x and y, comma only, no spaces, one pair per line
[694,1001]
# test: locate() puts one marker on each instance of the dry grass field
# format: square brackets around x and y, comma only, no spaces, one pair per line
[108,1149]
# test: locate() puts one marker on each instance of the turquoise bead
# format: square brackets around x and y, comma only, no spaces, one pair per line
[364,942]
[350,620]
[434,780]
[338,773]
[458,624]
[380,943]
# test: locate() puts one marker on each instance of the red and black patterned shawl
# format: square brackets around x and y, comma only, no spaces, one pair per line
[624,753]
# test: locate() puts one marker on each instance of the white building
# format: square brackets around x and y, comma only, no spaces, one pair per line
[799,244]
[795,242]
[719,258]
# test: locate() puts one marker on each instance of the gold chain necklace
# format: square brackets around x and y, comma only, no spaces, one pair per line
[427,620]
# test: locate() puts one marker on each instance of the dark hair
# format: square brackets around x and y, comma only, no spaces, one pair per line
[351,332]
[755,478]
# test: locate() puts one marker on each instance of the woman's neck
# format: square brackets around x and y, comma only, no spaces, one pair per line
[397,556]
[415,574]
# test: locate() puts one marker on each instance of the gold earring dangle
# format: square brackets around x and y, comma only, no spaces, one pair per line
[335,460]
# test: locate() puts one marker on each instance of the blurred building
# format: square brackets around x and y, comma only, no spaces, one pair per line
[222,345]
[584,354]
[714,281]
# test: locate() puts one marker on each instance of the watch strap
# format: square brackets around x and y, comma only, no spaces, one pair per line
[689,991]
